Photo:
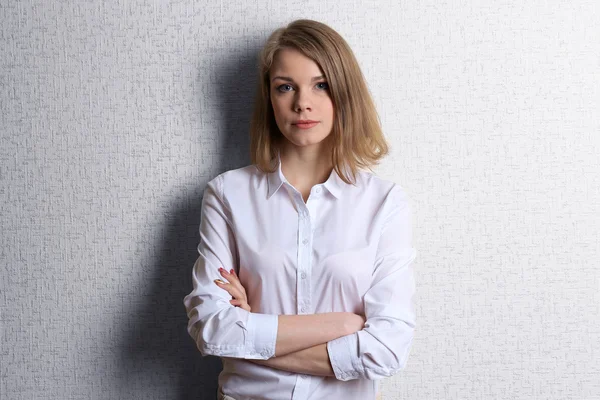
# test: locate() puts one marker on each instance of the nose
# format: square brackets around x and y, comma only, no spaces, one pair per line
[302,101]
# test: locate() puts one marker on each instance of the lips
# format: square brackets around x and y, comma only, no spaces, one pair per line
[305,125]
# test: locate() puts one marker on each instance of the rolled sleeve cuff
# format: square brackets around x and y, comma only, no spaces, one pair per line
[343,356]
[261,336]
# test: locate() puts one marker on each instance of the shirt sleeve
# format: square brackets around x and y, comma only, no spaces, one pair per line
[382,347]
[217,327]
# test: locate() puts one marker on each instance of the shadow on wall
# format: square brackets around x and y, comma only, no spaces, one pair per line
[159,358]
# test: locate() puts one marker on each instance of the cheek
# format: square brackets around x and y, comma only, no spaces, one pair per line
[277,107]
[330,110]
[327,105]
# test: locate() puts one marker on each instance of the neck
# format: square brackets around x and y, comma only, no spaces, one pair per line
[305,167]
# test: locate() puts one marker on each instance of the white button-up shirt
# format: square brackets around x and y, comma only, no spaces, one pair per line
[348,248]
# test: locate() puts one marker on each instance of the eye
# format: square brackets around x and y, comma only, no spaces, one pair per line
[284,87]
[323,85]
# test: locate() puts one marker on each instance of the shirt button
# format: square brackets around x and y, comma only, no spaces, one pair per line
[303,275]
[318,190]
[305,241]
[303,309]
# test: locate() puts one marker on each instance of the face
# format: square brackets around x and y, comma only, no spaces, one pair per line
[299,92]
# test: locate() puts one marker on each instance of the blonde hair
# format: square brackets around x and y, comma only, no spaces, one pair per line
[357,137]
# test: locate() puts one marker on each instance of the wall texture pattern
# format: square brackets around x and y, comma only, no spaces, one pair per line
[115,114]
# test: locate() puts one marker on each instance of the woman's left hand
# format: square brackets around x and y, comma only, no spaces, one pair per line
[234,288]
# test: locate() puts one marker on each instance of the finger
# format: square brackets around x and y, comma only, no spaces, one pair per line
[231,289]
[233,279]
[224,285]
[241,304]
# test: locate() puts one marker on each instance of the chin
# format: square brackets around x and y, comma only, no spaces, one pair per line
[307,143]
[305,138]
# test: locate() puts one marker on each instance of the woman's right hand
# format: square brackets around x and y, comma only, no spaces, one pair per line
[234,288]
[354,323]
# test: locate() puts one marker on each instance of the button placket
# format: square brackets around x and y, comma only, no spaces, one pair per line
[306,223]
[304,259]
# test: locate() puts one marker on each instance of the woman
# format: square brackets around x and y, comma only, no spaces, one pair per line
[316,253]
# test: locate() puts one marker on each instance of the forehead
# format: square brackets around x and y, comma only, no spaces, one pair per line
[291,62]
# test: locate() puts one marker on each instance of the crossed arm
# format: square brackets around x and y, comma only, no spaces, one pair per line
[311,361]
[306,343]
[301,344]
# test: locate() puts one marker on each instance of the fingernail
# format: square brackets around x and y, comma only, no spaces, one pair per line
[232,272]
[219,281]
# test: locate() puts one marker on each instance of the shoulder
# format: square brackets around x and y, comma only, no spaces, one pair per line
[237,175]
[235,179]
[388,192]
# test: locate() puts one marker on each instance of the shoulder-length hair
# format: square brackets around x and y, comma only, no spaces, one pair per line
[357,138]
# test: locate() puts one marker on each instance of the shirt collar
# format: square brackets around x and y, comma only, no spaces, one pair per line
[276,179]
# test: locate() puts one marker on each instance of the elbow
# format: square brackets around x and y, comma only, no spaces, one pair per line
[390,358]
[196,334]
[370,353]
[220,333]
[217,343]
[384,366]
[203,347]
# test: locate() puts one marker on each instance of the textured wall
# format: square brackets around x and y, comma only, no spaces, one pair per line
[114,115]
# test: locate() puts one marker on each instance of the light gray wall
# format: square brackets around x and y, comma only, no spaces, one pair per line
[114,115]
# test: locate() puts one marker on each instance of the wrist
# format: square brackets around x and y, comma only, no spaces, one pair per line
[353,323]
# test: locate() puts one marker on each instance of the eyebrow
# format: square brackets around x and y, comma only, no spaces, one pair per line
[285,78]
